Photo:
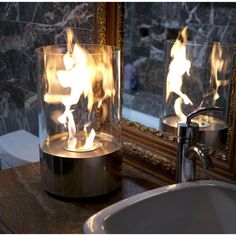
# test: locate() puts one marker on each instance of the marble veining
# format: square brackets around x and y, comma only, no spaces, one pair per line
[57,14]
[24,27]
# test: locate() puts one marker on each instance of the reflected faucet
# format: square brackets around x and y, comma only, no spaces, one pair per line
[189,149]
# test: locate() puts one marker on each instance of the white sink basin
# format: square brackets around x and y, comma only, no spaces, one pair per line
[193,207]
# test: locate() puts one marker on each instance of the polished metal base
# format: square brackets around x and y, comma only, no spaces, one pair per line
[212,133]
[80,174]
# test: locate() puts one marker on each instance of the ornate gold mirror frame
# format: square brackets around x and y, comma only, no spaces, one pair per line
[153,150]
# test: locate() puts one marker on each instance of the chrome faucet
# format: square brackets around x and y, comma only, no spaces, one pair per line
[189,149]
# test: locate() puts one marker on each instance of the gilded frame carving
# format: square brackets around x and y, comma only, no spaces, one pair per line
[155,147]
[100,19]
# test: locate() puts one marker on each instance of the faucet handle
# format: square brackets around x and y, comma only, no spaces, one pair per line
[203,111]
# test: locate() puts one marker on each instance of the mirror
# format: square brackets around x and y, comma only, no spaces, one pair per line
[146,55]
[147,29]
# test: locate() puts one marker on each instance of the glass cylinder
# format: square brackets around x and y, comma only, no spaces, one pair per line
[79,119]
[198,76]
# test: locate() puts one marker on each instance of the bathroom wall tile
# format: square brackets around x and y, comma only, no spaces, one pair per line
[66,14]
[8,10]
[62,14]
[18,43]
[24,27]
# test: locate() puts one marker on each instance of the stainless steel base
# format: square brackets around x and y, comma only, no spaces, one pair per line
[213,135]
[80,174]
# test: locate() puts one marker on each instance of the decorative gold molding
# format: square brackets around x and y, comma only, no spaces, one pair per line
[121,26]
[231,113]
[212,153]
[154,159]
[147,130]
[160,162]
[203,175]
[101,22]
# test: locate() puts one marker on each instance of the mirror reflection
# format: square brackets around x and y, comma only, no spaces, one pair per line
[149,94]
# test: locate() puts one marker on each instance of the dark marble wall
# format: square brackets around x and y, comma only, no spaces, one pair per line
[149,25]
[24,26]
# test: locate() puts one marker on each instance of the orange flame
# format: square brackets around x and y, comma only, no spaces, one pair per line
[70,36]
[78,76]
[89,140]
[67,85]
[178,110]
[217,64]
[107,73]
[177,68]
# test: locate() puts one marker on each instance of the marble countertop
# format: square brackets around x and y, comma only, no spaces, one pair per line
[26,208]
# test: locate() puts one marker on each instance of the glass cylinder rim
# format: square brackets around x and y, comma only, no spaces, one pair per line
[40,50]
[209,44]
